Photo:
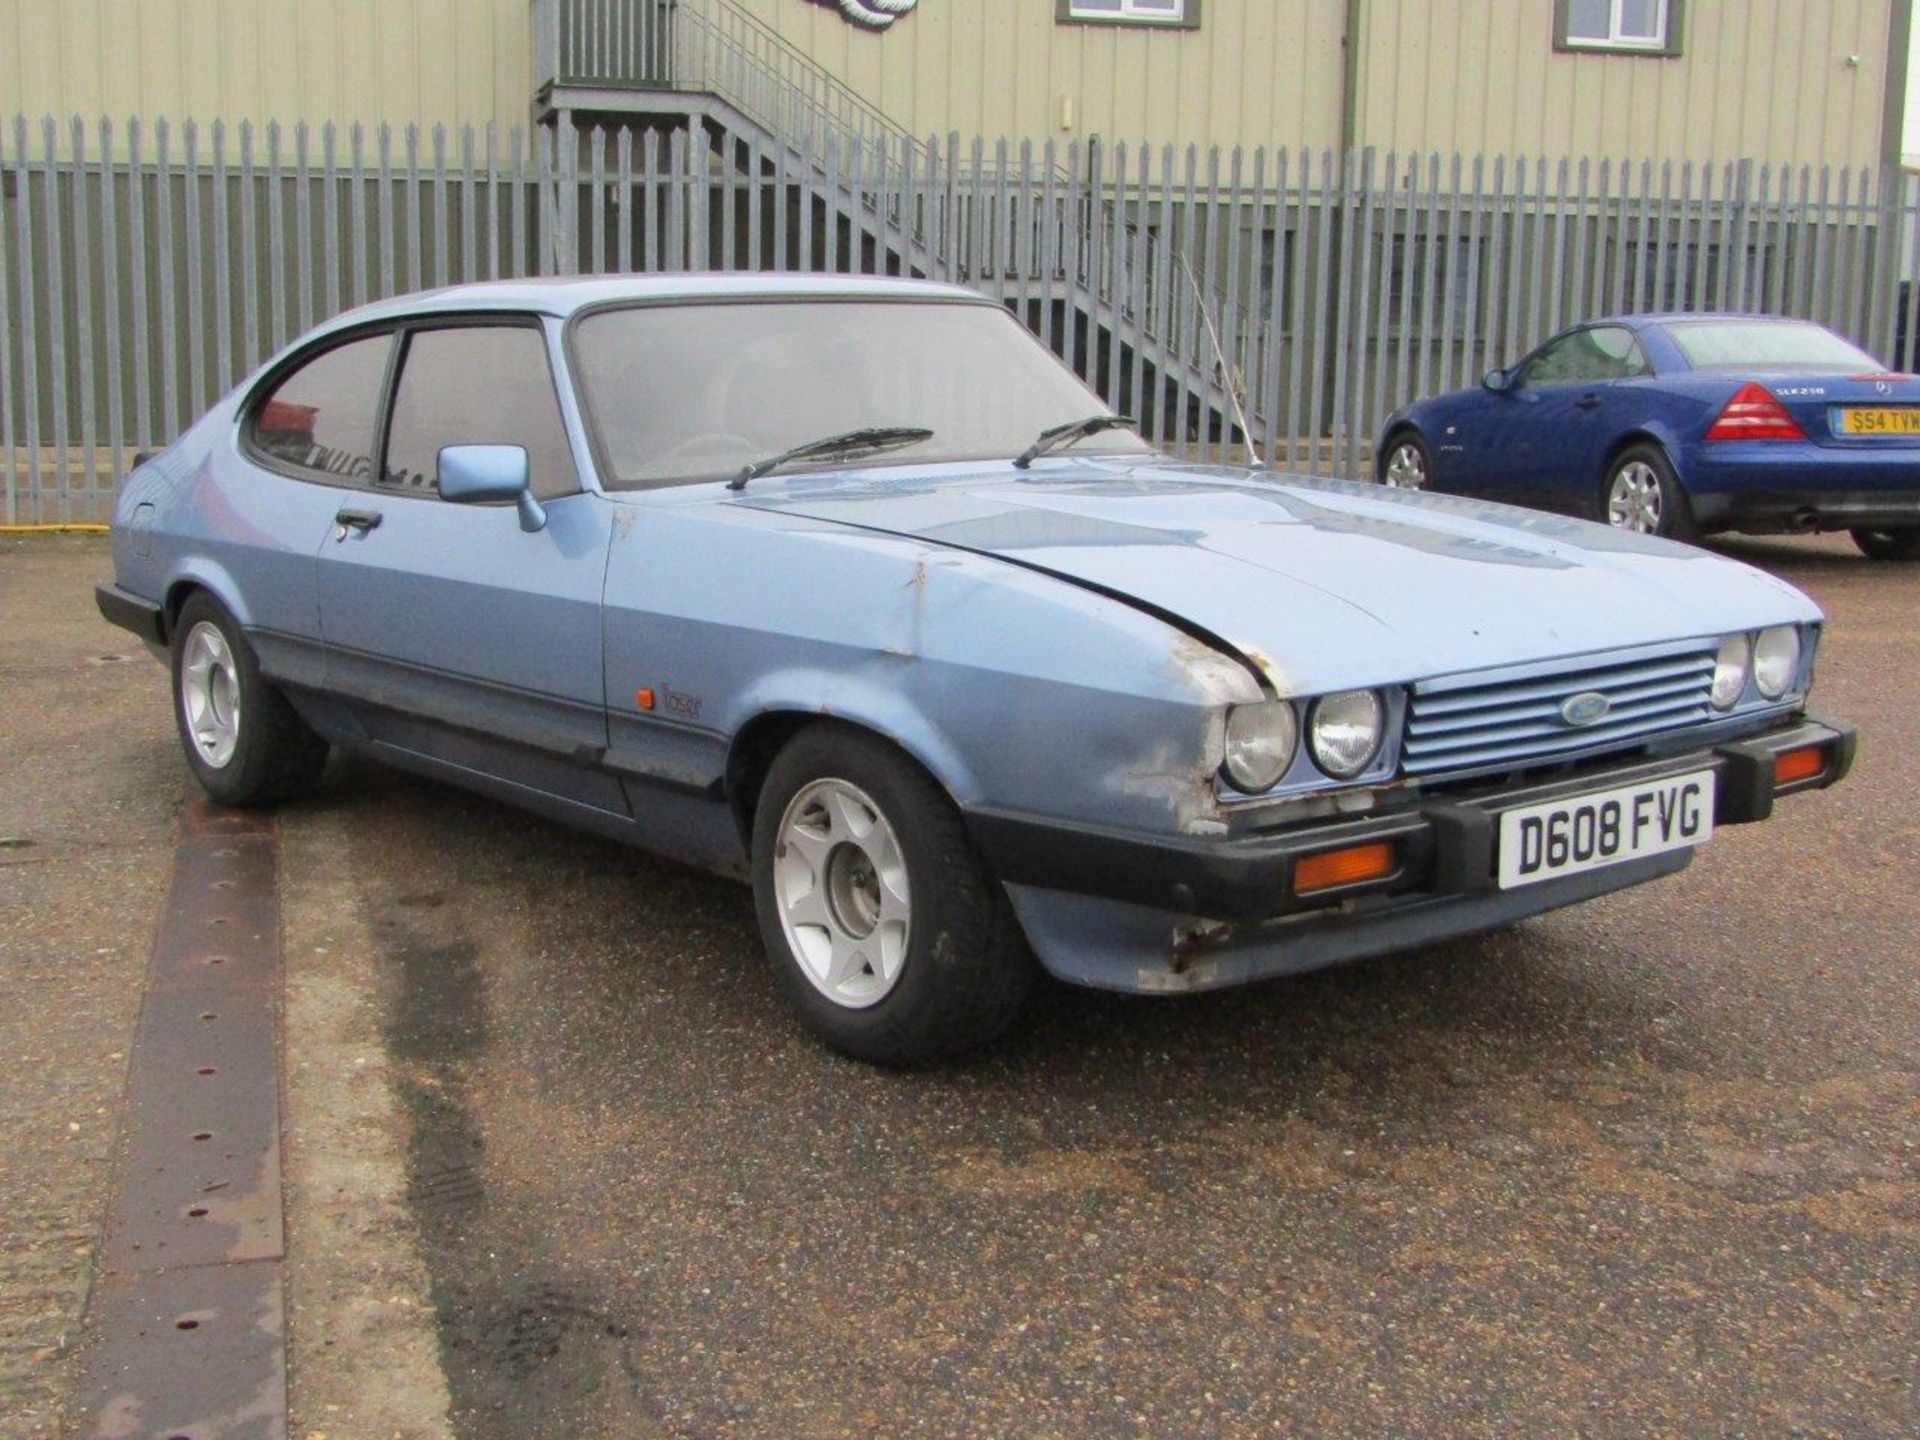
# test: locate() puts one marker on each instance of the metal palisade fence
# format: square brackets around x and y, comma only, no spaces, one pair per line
[145,268]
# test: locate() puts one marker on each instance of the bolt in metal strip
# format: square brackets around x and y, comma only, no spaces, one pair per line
[186,1323]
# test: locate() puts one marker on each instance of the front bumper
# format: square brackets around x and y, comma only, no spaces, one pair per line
[1443,845]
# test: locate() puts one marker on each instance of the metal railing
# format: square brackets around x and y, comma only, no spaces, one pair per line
[144,268]
[603,44]
[719,48]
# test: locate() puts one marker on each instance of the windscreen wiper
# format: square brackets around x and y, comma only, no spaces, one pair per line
[834,447]
[1055,437]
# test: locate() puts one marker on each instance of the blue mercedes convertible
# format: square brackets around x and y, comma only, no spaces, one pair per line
[849,588]
[1681,425]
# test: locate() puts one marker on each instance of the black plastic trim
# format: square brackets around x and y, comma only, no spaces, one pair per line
[1747,791]
[130,612]
[1770,511]
[1446,847]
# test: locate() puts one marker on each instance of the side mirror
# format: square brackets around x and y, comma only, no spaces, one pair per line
[1497,381]
[482,474]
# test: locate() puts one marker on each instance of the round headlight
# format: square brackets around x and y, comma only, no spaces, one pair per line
[1260,743]
[1730,672]
[1344,732]
[1776,660]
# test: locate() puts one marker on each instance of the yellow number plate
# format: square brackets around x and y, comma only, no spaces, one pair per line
[1859,421]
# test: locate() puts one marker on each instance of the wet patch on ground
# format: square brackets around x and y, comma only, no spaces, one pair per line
[1643,1167]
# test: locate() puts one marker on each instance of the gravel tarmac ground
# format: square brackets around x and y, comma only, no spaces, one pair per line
[1644,1167]
[89,786]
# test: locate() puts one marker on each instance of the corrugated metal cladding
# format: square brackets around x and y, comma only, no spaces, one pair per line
[1765,79]
[1759,79]
[451,61]
[1256,72]
[1799,81]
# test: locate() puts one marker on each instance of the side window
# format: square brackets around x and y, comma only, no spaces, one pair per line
[1607,352]
[1554,365]
[1619,351]
[477,385]
[320,418]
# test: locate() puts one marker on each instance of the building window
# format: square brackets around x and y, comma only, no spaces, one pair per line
[1630,27]
[1175,14]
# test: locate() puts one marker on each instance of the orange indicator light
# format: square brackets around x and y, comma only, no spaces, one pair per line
[1804,764]
[1332,868]
[643,699]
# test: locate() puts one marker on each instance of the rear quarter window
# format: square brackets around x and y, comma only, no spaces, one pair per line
[319,419]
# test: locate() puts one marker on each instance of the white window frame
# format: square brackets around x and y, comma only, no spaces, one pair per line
[1662,43]
[1185,14]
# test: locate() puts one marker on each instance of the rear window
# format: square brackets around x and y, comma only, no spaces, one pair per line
[1766,345]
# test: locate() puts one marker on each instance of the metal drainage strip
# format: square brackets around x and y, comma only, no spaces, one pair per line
[186,1320]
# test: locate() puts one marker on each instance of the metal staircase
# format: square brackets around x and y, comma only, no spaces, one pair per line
[1113,296]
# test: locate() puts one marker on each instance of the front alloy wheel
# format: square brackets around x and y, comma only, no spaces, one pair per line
[1406,466]
[885,930]
[840,883]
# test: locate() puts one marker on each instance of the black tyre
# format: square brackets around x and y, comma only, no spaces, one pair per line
[1404,462]
[885,930]
[1642,494]
[1896,543]
[244,742]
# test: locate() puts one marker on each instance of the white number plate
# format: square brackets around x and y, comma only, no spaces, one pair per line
[1584,832]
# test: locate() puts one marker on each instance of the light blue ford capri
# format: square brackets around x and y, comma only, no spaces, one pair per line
[850,588]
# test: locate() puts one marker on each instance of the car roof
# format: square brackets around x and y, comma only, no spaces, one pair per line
[564,295]
[1668,317]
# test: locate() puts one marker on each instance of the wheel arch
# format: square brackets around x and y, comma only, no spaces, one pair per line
[769,730]
[1685,525]
[195,578]
[1641,434]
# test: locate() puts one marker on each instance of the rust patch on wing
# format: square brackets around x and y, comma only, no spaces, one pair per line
[1265,663]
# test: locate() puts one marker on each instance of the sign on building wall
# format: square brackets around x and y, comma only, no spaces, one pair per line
[873,14]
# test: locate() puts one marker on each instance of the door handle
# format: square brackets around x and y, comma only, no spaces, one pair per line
[351,518]
[1588,402]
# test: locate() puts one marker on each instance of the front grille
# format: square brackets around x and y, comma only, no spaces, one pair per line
[1509,718]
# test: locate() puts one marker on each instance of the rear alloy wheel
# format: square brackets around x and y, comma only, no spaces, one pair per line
[244,742]
[1405,466]
[1643,496]
[1898,543]
[885,930]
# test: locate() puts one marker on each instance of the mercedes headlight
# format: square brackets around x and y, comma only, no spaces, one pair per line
[1345,730]
[1260,744]
[1730,671]
[1776,660]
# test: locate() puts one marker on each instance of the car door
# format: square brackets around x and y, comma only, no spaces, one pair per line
[452,632]
[306,436]
[1560,401]
[1486,445]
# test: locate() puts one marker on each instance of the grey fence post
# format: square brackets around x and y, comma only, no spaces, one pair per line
[138,281]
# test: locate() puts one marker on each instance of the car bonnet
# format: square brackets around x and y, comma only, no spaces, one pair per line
[1321,583]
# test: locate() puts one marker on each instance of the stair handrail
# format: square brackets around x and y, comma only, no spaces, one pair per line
[724,41]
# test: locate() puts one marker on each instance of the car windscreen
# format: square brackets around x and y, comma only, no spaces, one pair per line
[695,391]
[1766,345]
